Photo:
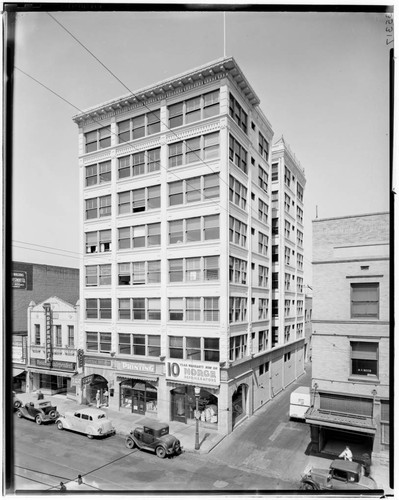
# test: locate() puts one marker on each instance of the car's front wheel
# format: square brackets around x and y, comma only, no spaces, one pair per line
[308,486]
[60,427]
[38,420]
[17,404]
[52,414]
[129,443]
[19,414]
[161,452]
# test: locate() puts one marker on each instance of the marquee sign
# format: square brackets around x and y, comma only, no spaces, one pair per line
[193,372]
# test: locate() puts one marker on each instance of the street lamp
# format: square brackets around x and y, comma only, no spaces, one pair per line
[197,391]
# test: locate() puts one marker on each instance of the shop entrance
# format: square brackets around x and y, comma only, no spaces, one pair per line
[183,404]
[239,404]
[139,396]
[95,385]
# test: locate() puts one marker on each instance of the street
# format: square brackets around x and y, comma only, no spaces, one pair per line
[267,452]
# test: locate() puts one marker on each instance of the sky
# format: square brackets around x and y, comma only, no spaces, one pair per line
[322,79]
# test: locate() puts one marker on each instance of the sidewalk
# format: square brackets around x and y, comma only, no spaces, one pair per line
[125,422]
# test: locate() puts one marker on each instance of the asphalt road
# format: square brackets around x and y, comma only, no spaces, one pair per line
[265,453]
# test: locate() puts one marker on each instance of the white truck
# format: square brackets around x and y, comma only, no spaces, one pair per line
[299,402]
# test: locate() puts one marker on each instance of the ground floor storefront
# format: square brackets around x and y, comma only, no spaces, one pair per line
[54,378]
[221,396]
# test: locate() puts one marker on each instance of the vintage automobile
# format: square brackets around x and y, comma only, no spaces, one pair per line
[154,436]
[40,412]
[89,421]
[17,403]
[342,475]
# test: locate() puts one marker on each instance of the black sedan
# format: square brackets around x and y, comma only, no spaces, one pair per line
[41,412]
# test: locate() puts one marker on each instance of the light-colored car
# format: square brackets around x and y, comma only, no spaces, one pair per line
[89,421]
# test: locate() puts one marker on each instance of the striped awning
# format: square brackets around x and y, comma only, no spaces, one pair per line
[144,378]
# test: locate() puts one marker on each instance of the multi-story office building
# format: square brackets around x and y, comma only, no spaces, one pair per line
[176,288]
[350,359]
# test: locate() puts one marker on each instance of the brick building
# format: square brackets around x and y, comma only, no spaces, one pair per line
[34,282]
[351,355]
[176,232]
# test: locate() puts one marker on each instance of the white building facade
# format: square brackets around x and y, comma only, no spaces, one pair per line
[52,346]
[176,231]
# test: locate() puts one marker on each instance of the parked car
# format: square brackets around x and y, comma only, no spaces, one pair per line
[154,436]
[299,402]
[89,421]
[342,475]
[39,412]
[17,403]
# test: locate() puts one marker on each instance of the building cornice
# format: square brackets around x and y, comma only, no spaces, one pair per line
[210,72]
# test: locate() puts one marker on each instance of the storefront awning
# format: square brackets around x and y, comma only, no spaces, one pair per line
[17,371]
[349,423]
[178,384]
[145,378]
[52,372]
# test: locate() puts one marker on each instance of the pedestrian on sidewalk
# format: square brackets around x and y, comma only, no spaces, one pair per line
[346,454]
[80,480]
[98,399]
[62,486]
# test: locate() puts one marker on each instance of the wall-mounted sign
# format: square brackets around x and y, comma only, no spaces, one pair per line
[49,324]
[19,280]
[97,361]
[59,365]
[131,366]
[193,372]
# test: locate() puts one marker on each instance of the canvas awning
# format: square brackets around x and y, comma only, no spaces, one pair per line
[17,371]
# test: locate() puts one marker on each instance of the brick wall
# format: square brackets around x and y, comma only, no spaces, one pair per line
[46,281]
[362,229]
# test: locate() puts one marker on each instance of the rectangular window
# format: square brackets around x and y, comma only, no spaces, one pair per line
[364,357]
[365,300]
[263,308]
[263,147]
[194,109]
[139,126]
[176,347]
[211,309]
[238,347]
[287,176]
[98,342]
[211,349]
[238,114]
[193,309]
[37,334]
[275,281]
[237,193]
[263,243]
[98,173]
[237,232]
[287,202]
[196,149]
[97,139]
[154,345]
[300,238]
[124,309]
[138,345]
[57,336]
[125,343]
[175,270]
[275,226]
[154,271]
[176,310]
[237,154]
[105,342]
[139,200]
[193,269]
[140,163]
[193,191]
[263,340]
[238,309]
[263,179]
[299,215]
[138,309]
[263,276]
[211,268]
[274,172]
[98,207]
[154,309]
[299,192]
[237,270]
[105,308]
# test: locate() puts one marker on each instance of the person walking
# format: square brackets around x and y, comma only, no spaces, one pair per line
[346,454]
[98,399]
[62,486]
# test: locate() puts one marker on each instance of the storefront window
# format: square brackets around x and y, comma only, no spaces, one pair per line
[138,396]
[184,404]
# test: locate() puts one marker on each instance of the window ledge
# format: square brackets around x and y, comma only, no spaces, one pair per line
[364,379]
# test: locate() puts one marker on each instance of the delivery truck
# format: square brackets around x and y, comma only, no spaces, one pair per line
[299,402]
